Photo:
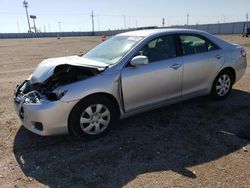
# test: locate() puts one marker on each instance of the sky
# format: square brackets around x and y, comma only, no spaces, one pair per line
[74,15]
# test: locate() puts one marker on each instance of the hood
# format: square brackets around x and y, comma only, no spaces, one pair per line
[46,68]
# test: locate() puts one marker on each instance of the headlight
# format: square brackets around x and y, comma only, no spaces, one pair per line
[32,97]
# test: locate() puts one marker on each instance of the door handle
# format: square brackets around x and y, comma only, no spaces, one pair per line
[175,66]
[218,56]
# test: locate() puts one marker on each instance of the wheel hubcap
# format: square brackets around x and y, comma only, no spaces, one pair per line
[95,119]
[223,85]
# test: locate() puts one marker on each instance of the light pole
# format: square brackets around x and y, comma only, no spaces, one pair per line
[25,5]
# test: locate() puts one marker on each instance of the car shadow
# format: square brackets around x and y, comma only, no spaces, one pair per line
[172,138]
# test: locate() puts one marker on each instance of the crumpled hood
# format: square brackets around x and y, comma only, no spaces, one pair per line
[46,68]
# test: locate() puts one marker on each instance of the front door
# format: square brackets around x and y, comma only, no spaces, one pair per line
[157,81]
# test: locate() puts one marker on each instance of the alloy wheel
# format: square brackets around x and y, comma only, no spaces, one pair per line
[95,119]
[223,85]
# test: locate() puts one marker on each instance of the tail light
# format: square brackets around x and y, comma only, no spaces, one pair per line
[243,53]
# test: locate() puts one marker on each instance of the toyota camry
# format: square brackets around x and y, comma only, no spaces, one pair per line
[127,74]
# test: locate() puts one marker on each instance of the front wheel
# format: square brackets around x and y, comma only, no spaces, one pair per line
[92,117]
[222,85]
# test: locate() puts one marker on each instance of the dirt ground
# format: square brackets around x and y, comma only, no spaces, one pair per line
[191,144]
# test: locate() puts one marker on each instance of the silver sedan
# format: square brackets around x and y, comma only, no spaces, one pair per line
[129,73]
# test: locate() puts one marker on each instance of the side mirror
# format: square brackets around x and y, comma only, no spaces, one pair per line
[139,60]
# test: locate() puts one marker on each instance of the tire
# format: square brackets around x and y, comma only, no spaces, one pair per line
[222,85]
[92,117]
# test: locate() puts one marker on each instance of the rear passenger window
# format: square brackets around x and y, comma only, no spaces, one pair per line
[159,49]
[211,46]
[193,45]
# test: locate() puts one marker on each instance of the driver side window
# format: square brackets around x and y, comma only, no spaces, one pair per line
[159,49]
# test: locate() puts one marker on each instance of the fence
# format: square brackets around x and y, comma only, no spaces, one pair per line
[219,28]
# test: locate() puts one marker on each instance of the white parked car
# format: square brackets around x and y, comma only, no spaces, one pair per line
[129,73]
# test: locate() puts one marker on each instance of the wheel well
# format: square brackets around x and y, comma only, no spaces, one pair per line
[232,71]
[107,95]
[113,99]
[110,97]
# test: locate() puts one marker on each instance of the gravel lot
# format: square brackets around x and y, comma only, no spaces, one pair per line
[197,143]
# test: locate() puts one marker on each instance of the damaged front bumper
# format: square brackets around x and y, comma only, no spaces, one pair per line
[42,116]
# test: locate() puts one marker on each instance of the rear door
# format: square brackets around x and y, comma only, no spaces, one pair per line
[201,61]
[157,81]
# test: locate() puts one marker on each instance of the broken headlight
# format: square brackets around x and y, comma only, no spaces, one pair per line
[32,97]
[54,96]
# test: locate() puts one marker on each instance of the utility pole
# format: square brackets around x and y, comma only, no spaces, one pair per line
[93,23]
[129,19]
[247,20]
[49,27]
[124,20]
[25,5]
[44,28]
[187,19]
[60,28]
[163,22]
[224,18]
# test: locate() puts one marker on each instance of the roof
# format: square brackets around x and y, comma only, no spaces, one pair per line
[145,33]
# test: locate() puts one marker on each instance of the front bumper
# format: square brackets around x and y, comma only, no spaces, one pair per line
[46,117]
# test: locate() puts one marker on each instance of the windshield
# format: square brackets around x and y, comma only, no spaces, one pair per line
[112,50]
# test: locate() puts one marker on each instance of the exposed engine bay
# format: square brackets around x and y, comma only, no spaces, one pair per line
[63,74]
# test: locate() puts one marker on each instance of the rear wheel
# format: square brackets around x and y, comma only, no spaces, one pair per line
[222,85]
[92,117]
